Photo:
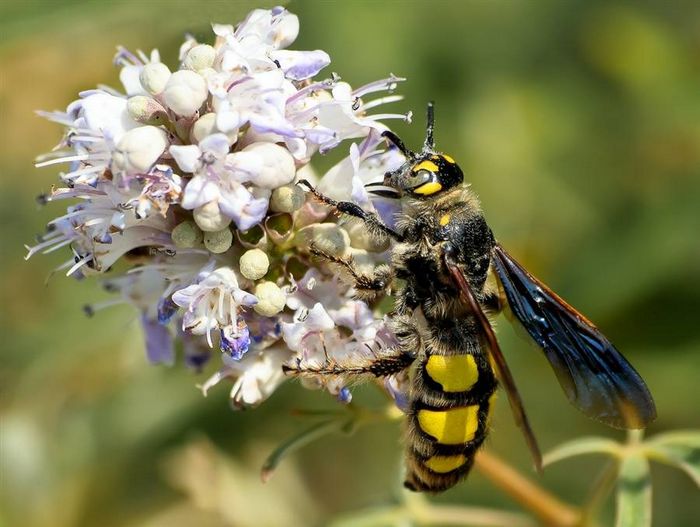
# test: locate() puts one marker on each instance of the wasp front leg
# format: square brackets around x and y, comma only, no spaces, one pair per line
[370,219]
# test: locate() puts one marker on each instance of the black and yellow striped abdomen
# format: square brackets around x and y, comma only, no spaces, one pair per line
[452,393]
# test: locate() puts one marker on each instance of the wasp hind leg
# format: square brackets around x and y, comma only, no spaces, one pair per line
[368,286]
[370,219]
[376,365]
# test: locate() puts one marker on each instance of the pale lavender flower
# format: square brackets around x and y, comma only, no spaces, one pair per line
[191,168]
[214,302]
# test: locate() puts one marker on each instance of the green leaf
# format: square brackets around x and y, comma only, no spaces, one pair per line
[680,449]
[634,492]
[297,441]
[581,446]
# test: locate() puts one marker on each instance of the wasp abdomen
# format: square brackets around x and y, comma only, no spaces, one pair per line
[448,418]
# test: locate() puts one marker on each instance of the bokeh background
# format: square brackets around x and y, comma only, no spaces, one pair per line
[577,122]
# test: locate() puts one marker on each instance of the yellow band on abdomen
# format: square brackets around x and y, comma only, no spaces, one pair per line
[455,373]
[444,464]
[453,426]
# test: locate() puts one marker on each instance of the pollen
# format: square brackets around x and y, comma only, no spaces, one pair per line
[444,220]
[454,426]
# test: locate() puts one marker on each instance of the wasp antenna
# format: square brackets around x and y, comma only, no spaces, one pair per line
[391,136]
[430,126]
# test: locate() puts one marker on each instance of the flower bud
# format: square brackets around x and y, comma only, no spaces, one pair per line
[276,165]
[362,238]
[146,110]
[199,57]
[154,76]
[185,92]
[139,149]
[271,299]
[206,126]
[327,237]
[288,198]
[218,242]
[186,235]
[209,217]
[254,264]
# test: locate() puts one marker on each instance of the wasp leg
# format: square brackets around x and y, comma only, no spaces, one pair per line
[371,220]
[382,363]
[367,285]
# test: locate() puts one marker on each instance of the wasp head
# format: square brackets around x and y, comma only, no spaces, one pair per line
[424,174]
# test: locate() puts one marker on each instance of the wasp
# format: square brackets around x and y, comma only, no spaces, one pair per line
[449,276]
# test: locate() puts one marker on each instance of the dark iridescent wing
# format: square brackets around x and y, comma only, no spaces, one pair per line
[499,361]
[596,378]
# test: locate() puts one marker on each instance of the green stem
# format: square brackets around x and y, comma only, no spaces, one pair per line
[602,488]
[299,440]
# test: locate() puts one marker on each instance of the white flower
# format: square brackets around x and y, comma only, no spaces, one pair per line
[95,124]
[255,376]
[218,177]
[161,173]
[213,302]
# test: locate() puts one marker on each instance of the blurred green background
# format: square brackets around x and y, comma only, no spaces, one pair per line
[578,123]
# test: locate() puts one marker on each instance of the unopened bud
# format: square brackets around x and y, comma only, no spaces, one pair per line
[327,237]
[146,110]
[206,126]
[287,198]
[276,166]
[209,217]
[154,76]
[185,92]
[218,242]
[362,238]
[139,149]
[199,57]
[271,299]
[186,235]
[254,264]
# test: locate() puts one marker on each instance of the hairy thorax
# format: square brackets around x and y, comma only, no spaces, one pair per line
[454,223]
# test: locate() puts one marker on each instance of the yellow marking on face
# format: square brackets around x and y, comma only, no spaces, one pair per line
[444,220]
[428,188]
[443,464]
[454,426]
[426,165]
[448,159]
[455,373]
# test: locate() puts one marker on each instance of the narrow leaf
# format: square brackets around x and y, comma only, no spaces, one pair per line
[581,446]
[297,441]
[680,449]
[634,492]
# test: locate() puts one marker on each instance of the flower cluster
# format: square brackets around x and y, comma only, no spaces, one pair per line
[183,198]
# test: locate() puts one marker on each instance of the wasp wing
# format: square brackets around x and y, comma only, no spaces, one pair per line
[596,378]
[499,361]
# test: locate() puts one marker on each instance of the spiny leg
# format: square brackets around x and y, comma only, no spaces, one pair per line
[371,220]
[368,286]
[383,363]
